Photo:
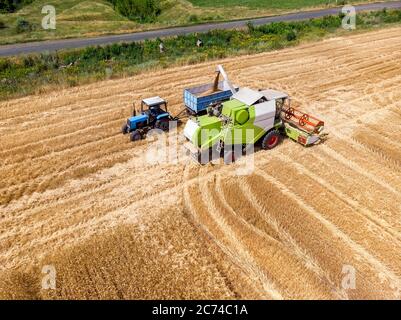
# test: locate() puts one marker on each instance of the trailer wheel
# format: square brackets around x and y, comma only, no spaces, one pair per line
[271,140]
[135,136]
[124,129]
[162,124]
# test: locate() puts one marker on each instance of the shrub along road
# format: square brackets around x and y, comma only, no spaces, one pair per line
[45,46]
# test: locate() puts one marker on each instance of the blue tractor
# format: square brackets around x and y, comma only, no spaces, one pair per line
[153,115]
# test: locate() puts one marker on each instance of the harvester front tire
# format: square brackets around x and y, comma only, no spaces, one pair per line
[229,157]
[136,136]
[271,140]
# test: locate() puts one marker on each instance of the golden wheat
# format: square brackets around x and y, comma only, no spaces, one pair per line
[76,194]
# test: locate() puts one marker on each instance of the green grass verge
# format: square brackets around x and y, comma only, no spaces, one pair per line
[37,73]
[75,18]
[87,18]
[274,4]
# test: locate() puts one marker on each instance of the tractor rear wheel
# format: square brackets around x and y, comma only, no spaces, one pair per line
[136,135]
[271,140]
[124,129]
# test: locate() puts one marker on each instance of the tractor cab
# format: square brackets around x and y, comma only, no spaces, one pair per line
[153,115]
[154,108]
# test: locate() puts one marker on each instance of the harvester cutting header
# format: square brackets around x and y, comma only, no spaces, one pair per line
[222,116]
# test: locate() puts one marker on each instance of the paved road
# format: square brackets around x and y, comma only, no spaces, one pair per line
[44,46]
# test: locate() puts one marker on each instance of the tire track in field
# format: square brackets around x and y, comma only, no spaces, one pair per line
[54,131]
[354,166]
[393,162]
[62,237]
[385,159]
[232,255]
[238,253]
[69,114]
[378,265]
[39,217]
[359,188]
[368,233]
[221,197]
[371,217]
[85,220]
[278,255]
[23,177]
[245,258]
[47,147]
[99,182]
[51,220]
[388,134]
[309,262]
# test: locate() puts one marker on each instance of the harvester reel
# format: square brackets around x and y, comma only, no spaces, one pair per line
[304,119]
[289,113]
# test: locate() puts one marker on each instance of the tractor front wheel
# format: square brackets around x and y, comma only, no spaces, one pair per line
[124,129]
[271,140]
[135,136]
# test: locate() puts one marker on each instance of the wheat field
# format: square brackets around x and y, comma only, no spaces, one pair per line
[76,194]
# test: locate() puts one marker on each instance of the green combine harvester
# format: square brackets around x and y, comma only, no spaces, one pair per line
[250,117]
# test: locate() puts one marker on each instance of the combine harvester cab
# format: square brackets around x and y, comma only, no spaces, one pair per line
[267,113]
[228,127]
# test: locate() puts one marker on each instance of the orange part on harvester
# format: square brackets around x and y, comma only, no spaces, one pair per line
[302,120]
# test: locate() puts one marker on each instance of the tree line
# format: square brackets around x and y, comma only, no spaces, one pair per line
[9,6]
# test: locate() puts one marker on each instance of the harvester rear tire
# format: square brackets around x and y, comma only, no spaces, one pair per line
[136,136]
[229,157]
[271,140]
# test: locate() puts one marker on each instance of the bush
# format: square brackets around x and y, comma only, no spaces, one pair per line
[141,10]
[8,6]
[193,18]
[28,61]
[291,36]
[250,26]
[23,25]
[2,25]
[5,64]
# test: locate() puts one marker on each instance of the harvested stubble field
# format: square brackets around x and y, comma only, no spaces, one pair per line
[76,194]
